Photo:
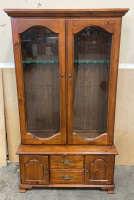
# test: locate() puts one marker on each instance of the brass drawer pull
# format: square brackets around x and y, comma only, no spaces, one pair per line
[66,177]
[66,162]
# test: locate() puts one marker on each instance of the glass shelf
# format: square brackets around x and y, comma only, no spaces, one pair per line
[40,61]
[75,61]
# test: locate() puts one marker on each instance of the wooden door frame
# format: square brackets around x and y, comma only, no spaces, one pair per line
[20,25]
[112,25]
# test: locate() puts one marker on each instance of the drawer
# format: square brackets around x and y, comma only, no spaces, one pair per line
[66,162]
[66,176]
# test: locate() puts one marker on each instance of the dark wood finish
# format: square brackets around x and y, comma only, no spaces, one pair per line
[57,26]
[74,26]
[115,12]
[23,187]
[77,176]
[113,80]
[109,190]
[99,140]
[66,162]
[99,169]
[22,190]
[103,187]
[87,155]
[34,169]
[66,150]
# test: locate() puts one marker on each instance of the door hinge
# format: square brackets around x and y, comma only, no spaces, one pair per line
[86,169]
[46,171]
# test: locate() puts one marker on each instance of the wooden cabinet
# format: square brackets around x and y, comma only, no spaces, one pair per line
[66,64]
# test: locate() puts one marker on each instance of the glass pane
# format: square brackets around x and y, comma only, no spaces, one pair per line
[92,50]
[41,80]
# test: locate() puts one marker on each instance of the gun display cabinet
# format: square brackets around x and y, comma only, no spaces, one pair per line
[66,64]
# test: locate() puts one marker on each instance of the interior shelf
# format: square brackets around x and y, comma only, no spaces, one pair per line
[75,61]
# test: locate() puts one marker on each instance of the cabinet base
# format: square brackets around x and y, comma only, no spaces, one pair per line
[109,188]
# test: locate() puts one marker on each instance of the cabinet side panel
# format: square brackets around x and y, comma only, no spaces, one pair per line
[113,80]
[19,78]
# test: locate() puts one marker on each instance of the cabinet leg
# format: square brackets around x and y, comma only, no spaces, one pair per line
[22,190]
[111,191]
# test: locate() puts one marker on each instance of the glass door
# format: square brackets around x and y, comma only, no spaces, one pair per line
[43,70]
[89,68]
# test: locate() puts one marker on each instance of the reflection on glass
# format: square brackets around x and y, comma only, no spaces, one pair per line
[92,50]
[41,80]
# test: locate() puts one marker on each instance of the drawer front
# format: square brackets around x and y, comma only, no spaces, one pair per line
[66,162]
[66,176]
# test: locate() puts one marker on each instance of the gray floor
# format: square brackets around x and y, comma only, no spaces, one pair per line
[9,180]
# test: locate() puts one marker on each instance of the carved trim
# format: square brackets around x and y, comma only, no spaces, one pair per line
[25,24]
[98,159]
[91,139]
[107,25]
[102,139]
[38,138]
[26,165]
[32,26]
[33,160]
[93,168]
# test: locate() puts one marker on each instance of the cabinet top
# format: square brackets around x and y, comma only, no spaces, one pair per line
[116,12]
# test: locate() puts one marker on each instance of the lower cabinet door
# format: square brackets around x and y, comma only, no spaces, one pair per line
[34,169]
[99,169]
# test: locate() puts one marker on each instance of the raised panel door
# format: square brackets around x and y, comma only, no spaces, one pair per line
[99,169]
[34,169]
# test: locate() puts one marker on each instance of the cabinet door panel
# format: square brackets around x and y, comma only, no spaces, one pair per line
[34,169]
[39,46]
[99,169]
[91,69]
